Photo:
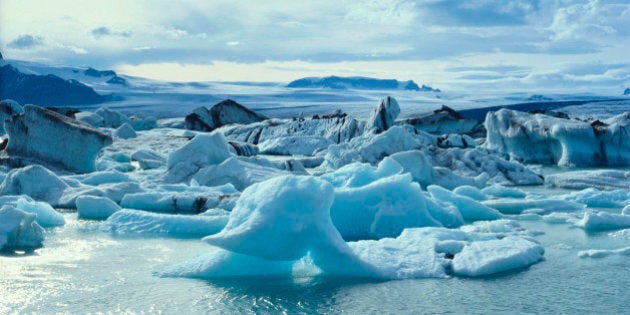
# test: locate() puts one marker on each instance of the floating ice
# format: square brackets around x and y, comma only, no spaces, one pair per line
[494,256]
[148,159]
[237,172]
[95,208]
[517,206]
[470,192]
[543,139]
[503,192]
[595,198]
[470,209]
[185,226]
[285,219]
[201,151]
[181,199]
[19,231]
[294,145]
[600,221]
[600,179]
[125,131]
[46,215]
[41,136]
[35,181]
[601,253]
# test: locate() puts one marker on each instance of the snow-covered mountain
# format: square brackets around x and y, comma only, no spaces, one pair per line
[358,83]
[45,90]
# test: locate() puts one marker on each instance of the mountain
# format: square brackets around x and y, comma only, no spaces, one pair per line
[626,92]
[44,90]
[358,83]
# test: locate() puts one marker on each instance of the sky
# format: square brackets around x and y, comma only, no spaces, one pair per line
[565,45]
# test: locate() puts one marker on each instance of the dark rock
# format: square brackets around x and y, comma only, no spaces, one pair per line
[446,121]
[226,112]
[44,90]
[98,74]
[117,80]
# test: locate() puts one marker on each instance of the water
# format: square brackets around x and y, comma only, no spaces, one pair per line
[83,269]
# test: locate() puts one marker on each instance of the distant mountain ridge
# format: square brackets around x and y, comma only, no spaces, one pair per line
[358,83]
[45,90]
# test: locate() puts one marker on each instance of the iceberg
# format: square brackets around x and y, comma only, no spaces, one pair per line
[35,181]
[470,209]
[601,221]
[46,216]
[239,173]
[201,151]
[584,179]
[543,139]
[95,208]
[41,136]
[19,231]
[181,199]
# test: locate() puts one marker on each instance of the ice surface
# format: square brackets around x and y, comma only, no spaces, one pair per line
[19,231]
[543,139]
[95,208]
[128,221]
[470,209]
[46,216]
[40,136]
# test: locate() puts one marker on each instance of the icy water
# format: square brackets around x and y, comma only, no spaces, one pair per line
[83,269]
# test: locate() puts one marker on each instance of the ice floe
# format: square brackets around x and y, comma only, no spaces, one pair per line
[19,231]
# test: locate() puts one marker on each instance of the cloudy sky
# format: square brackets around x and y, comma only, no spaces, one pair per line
[521,44]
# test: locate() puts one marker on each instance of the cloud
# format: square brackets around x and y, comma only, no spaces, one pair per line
[26,42]
[104,31]
[590,20]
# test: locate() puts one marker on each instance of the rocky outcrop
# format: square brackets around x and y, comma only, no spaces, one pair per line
[383,116]
[226,112]
[446,121]
[41,136]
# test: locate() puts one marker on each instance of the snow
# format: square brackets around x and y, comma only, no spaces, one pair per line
[40,136]
[95,208]
[19,231]
[128,221]
[543,139]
